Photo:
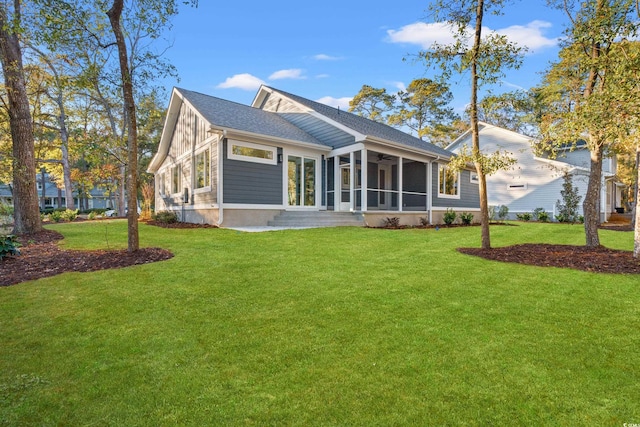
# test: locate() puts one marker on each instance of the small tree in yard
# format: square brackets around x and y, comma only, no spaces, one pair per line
[568,206]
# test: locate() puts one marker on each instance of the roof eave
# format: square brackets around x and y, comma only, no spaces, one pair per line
[230,133]
[405,147]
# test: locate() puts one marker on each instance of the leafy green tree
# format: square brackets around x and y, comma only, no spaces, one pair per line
[372,103]
[424,108]
[590,91]
[517,111]
[484,58]
[568,207]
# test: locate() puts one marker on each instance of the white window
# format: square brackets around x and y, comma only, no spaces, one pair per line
[249,152]
[176,179]
[161,184]
[203,169]
[448,182]
[473,178]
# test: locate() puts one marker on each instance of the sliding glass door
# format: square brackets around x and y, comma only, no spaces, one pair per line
[301,173]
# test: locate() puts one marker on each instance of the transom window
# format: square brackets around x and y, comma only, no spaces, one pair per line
[448,182]
[250,152]
[203,169]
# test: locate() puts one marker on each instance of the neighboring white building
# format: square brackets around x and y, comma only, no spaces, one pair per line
[534,181]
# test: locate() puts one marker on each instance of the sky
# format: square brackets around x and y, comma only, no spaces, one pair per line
[326,50]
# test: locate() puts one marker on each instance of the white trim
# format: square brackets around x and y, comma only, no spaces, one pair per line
[346,150]
[252,206]
[241,157]
[317,179]
[400,182]
[364,182]
[207,186]
[448,196]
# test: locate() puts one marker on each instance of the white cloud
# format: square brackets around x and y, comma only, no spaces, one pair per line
[322,76]
[425,35]
[243,81]
[399,85]
[530,35]
[324,57]
[422,34]
[293,73]
[342,103]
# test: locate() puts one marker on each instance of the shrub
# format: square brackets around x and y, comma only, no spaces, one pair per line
[55,216]
[69,215]
[8,246]
[539,214]
[568,206]
[449,216]
[543,216]
[391,222]
[524,216]
[92,215]
[424,221]
[165,217]
[466,218]
[492,213]
[503,212]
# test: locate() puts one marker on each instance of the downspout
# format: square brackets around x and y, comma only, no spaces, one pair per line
[221,141]
[430,188]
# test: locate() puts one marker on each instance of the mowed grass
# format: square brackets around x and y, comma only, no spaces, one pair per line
[341,326]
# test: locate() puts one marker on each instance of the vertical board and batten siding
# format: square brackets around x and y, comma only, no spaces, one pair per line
[251,183]
[189,133]
[319,129]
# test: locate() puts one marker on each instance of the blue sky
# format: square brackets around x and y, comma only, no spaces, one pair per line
[327,50]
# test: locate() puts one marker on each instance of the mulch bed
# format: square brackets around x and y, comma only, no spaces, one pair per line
[598,260]
[40,257]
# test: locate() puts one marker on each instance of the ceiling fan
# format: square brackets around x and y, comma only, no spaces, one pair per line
[382,157]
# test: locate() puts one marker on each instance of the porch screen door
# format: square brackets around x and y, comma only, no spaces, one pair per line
[301,181]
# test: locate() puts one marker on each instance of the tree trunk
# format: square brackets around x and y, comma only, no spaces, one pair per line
[25,200]
[114,15]
[591,204]
[475,133]
[636,216]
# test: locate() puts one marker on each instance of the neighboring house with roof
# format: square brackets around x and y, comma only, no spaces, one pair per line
[228,164]
[50,196]
[536,181]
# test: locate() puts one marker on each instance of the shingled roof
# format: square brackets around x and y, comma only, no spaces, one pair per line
[366,126]
[231,115]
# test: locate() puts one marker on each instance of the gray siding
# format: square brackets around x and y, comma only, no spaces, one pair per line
[469,195]
[251,183]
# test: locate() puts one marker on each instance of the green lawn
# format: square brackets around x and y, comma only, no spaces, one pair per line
[343,326]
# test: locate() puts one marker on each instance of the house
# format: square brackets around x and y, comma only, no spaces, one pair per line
[536,181]
[50,196]
[224,163]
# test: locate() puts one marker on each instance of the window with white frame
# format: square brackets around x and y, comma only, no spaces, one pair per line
[448,182]
[203,169]
[473,178]
[250,152]
[176,179]
[161,184]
